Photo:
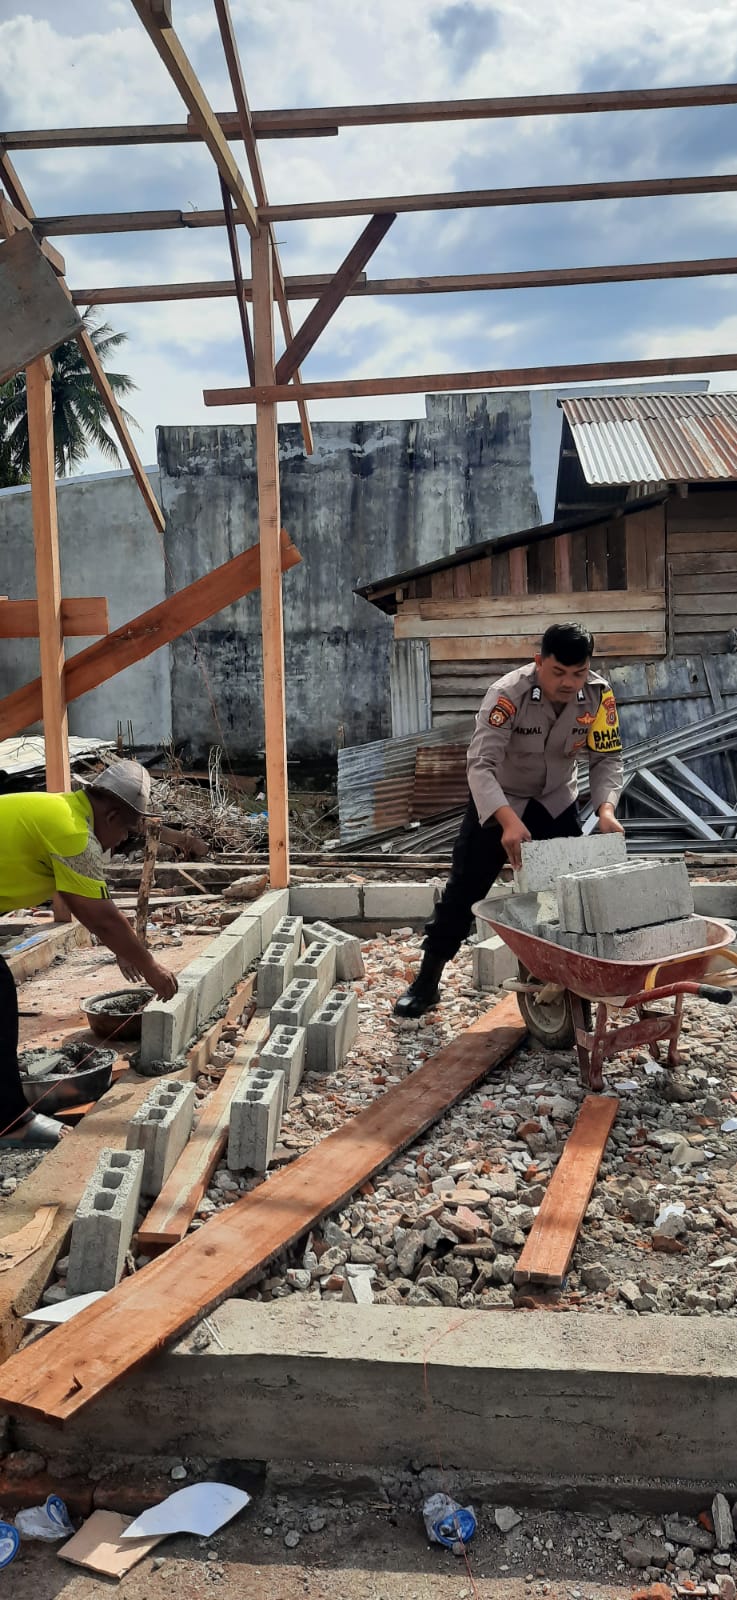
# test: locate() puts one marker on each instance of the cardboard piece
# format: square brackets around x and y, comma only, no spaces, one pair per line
[98,1546]
[15,1247]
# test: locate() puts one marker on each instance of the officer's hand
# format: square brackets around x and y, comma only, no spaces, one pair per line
[607,821]
[514,833]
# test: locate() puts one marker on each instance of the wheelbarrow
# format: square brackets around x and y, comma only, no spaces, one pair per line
[558,989]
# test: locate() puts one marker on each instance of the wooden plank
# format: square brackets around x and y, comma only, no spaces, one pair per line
[461,583]
[701,568]
[701,541]
[272,616]
[332,297]
[58,942]
[563,566]
[479,576]
[180,70]
[700,644]
[596,558]
[554,605]
[171,1214]
[704,505]
[80,619]
[35,313]
[441,584]
[552,1237]
[635,554]
[535,195]
[59,1375]
[240,293]
[200,1053]
[616,563]
[518,571]
[705,604]
[48,575]
[304,287]
[491,378]
[137,639]
[525,647]
[500,580]
[449,627]
[150,852]
[700,622]
[654,530]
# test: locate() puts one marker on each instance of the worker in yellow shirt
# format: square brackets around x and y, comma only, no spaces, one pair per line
[54,844]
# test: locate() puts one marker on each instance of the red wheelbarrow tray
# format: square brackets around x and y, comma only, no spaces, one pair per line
[614,981]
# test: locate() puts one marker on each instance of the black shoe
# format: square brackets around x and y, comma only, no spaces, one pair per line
[422,993]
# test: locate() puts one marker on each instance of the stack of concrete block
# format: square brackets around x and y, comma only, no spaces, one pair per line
[255,1115]
[275,972]
[348,958]
[105,1222]
[296,1005]
[160,1129]
[318,964]
[544,860]
[332,1030]
[285,1049]
[634,911]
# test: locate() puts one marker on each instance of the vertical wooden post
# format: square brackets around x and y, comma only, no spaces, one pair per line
[48,577]
[269,520]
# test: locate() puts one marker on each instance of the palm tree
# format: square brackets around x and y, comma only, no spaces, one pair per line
[78,410]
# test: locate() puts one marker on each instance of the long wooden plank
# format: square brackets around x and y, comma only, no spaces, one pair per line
[694,621]
[454,626]
[522,648]
[707,602]
[552,1237]
[137,639]
[57,1377]
[503,378]
[554,604]
[170,1216]
[701,568]
[333,296]
[705,541]
[85,618]
[305,287]
[48,575]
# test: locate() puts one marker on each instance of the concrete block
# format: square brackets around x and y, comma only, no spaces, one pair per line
[167,1026]
[248,928]
[318,962]
[289,928]
[255,1115]
[275,973]
[570,903]
[267,910]
[544,860]
[332,1030]
[342,900]
[297,1004]
[285,1050]
[715,899]
[348,957]
[160,1128]
[105,1222]
[493,961]
[403,902]
[653,943]
[637,895]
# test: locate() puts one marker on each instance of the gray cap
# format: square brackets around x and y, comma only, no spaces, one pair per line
[127,781]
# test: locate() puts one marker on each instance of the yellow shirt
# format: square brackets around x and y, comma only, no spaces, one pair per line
[47,843]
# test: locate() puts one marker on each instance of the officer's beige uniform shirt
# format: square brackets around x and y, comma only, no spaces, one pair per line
[524,748]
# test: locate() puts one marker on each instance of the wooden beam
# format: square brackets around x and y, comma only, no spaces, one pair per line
[146,633]
[457,283]
[180,70]
[240,294]
[522,647]
[171,1214]
[523,605]
[503,378]
[131,134]
[246,133]
[552,1237]
[20,199]
[80,619]
[272,616]
[453,625]
[331,297]
[58,1376]
[48,574]
[469,199]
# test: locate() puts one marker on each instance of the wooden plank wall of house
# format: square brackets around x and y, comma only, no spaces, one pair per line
[485,616]
[702,571]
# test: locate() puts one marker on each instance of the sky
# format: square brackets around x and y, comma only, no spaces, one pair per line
[91,62]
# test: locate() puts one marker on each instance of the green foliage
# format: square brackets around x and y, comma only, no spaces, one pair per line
[79,412]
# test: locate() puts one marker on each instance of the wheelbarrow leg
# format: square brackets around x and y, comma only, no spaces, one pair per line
[674,1034]
[597,1058]
[579,1023]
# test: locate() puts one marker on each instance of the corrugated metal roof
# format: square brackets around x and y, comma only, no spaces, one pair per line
[654,438]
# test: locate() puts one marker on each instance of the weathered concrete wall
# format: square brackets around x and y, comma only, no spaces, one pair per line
[108,546]
[373,499]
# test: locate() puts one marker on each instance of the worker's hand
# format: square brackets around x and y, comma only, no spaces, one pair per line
[130,971]
[162,981]
[514,834]
[607,821]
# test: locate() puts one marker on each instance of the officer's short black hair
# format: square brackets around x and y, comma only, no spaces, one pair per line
[569,643]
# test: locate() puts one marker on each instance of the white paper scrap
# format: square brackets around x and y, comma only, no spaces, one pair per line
[199,1508]
[730,1126]
[65,1309]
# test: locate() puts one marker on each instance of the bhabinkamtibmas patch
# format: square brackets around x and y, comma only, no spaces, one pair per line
[501,712]
[604,735]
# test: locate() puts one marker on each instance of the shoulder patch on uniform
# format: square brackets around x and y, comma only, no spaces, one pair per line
[604,736]
[537,694]
[501,712]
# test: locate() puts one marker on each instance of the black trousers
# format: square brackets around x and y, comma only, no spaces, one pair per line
[478,858]
[13,1103]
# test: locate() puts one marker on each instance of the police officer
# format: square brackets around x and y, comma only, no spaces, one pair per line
[533,727]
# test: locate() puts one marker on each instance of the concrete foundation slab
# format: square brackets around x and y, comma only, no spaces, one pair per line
[160,1129]
[105,1222]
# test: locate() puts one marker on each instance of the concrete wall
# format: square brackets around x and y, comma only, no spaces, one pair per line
[108,546]
[373,499]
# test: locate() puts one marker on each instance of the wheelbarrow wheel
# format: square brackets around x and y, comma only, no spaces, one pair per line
[552,1023]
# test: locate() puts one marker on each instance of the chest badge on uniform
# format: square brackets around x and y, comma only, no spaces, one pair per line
[585,720]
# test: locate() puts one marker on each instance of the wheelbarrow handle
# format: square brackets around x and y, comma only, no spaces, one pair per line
[720,997]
